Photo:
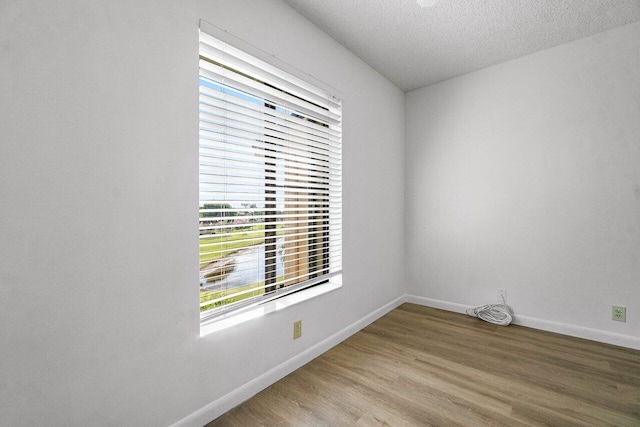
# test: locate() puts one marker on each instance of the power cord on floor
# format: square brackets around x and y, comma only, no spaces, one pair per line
[500,314]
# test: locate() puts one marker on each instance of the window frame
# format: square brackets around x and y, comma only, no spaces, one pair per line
[332,277]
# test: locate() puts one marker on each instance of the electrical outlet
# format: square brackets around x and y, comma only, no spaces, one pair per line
[502,296]
[297,329]
[619,313]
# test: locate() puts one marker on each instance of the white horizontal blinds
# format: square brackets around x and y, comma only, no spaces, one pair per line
[270,180]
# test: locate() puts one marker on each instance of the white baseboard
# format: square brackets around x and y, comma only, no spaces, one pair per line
[545,325]
[218,407]
[579,331]
[443,305]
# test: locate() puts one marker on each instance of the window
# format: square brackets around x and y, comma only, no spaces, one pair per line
[270,181]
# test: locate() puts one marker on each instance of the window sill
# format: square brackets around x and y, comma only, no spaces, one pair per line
[240,316]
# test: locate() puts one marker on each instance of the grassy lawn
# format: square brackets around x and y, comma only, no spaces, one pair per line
[210,295]
[223,246]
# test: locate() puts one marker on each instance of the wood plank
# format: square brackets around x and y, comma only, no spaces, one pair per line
[422,366]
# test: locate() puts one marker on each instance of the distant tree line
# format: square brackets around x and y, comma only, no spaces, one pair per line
[216,207]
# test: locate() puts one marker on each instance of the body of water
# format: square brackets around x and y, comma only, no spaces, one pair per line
[249,267]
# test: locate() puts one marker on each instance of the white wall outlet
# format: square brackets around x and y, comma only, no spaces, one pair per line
[619,313]
[502,296]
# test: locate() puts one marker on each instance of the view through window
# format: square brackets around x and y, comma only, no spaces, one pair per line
[270,181]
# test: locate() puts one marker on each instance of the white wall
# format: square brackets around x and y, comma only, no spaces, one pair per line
[98,209]
[526,176]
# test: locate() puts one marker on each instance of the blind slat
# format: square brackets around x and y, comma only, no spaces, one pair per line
[211,99]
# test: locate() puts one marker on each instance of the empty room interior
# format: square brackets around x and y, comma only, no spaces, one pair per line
[396,165]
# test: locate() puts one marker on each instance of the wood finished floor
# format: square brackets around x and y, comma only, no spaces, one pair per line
[421,366]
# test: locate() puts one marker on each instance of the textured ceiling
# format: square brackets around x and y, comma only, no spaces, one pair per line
[414,46]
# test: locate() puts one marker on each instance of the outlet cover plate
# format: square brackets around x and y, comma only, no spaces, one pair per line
[619,313]
[297,329]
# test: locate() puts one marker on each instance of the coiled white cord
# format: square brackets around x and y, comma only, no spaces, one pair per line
[500,314]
